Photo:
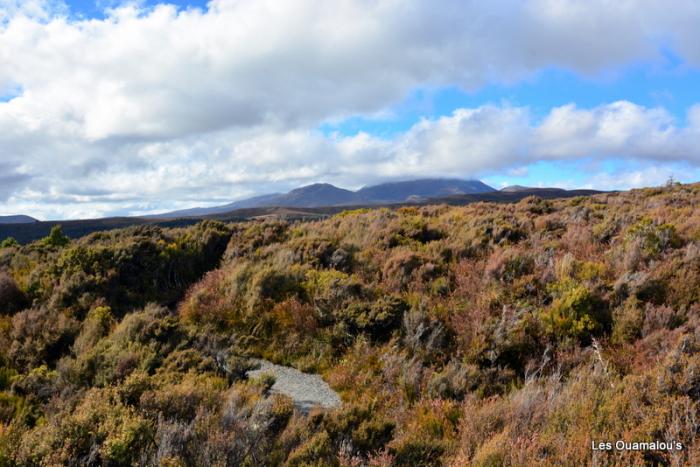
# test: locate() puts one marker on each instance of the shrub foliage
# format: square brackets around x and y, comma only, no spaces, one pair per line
[490,334]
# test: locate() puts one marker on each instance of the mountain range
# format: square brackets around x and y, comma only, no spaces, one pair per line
[325,194]
[30,231]
[520,189]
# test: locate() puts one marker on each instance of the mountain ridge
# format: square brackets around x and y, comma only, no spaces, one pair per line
[521,188]
[17,219]
[326,194]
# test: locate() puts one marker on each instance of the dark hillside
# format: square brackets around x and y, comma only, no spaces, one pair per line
[17,220]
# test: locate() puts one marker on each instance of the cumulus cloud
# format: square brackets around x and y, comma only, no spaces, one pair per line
[161,73]
[227,164]
[10,180]
[487,139]
[160,107]
[621,128]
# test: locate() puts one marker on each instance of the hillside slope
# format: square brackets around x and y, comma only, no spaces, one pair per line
[485,334]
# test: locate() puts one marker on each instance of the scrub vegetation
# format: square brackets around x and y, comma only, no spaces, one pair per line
[488,334]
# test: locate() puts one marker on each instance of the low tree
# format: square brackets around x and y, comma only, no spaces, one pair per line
[56,237]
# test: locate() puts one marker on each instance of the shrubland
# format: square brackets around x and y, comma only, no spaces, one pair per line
[488,334]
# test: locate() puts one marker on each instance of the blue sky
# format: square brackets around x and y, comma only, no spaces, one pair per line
[96,9]
[147,107]
[668,82]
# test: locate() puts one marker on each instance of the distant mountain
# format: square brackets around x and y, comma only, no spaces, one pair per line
[324,194]
[242,204]
[17,220]
[414,190]
[519,188]
[310,196]
[316,195]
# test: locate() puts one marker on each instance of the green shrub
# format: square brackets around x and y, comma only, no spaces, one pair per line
[38,382]
[9,242]
[97,325]
[537,205]
[454,381]
[6,376]
[372,435]
[128,271]
[655,238]
[412,229]
[419,452]
[40,336]
[56,238]
[628,321]
[378,319]
[270,284]
[99,430]
[330,291]
[12,299]
[316,451]
[10,405]
[575,312]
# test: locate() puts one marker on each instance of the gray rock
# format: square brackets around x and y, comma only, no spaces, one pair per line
[306,390]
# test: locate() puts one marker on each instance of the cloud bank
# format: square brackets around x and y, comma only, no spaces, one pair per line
[161,107]
[233,163]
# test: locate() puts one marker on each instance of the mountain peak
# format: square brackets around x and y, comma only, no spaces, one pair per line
[319,184]
[317,194]
[398,192]
[316,187]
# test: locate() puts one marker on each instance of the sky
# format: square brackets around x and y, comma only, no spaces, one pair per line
[124,108]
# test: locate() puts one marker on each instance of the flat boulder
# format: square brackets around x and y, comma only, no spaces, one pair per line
[307,391]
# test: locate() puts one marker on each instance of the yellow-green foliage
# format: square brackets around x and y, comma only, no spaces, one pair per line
[100,426]
[56,238]
[574,312]
[654,238]
[9,242]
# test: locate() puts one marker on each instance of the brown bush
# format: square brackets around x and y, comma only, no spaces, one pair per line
[40,336]
[12,299]
[400,268]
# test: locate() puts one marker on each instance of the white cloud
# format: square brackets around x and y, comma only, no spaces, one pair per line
[233,163]
[38,10]
[161,73]
[163,108]
[620,128]
[644,177]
